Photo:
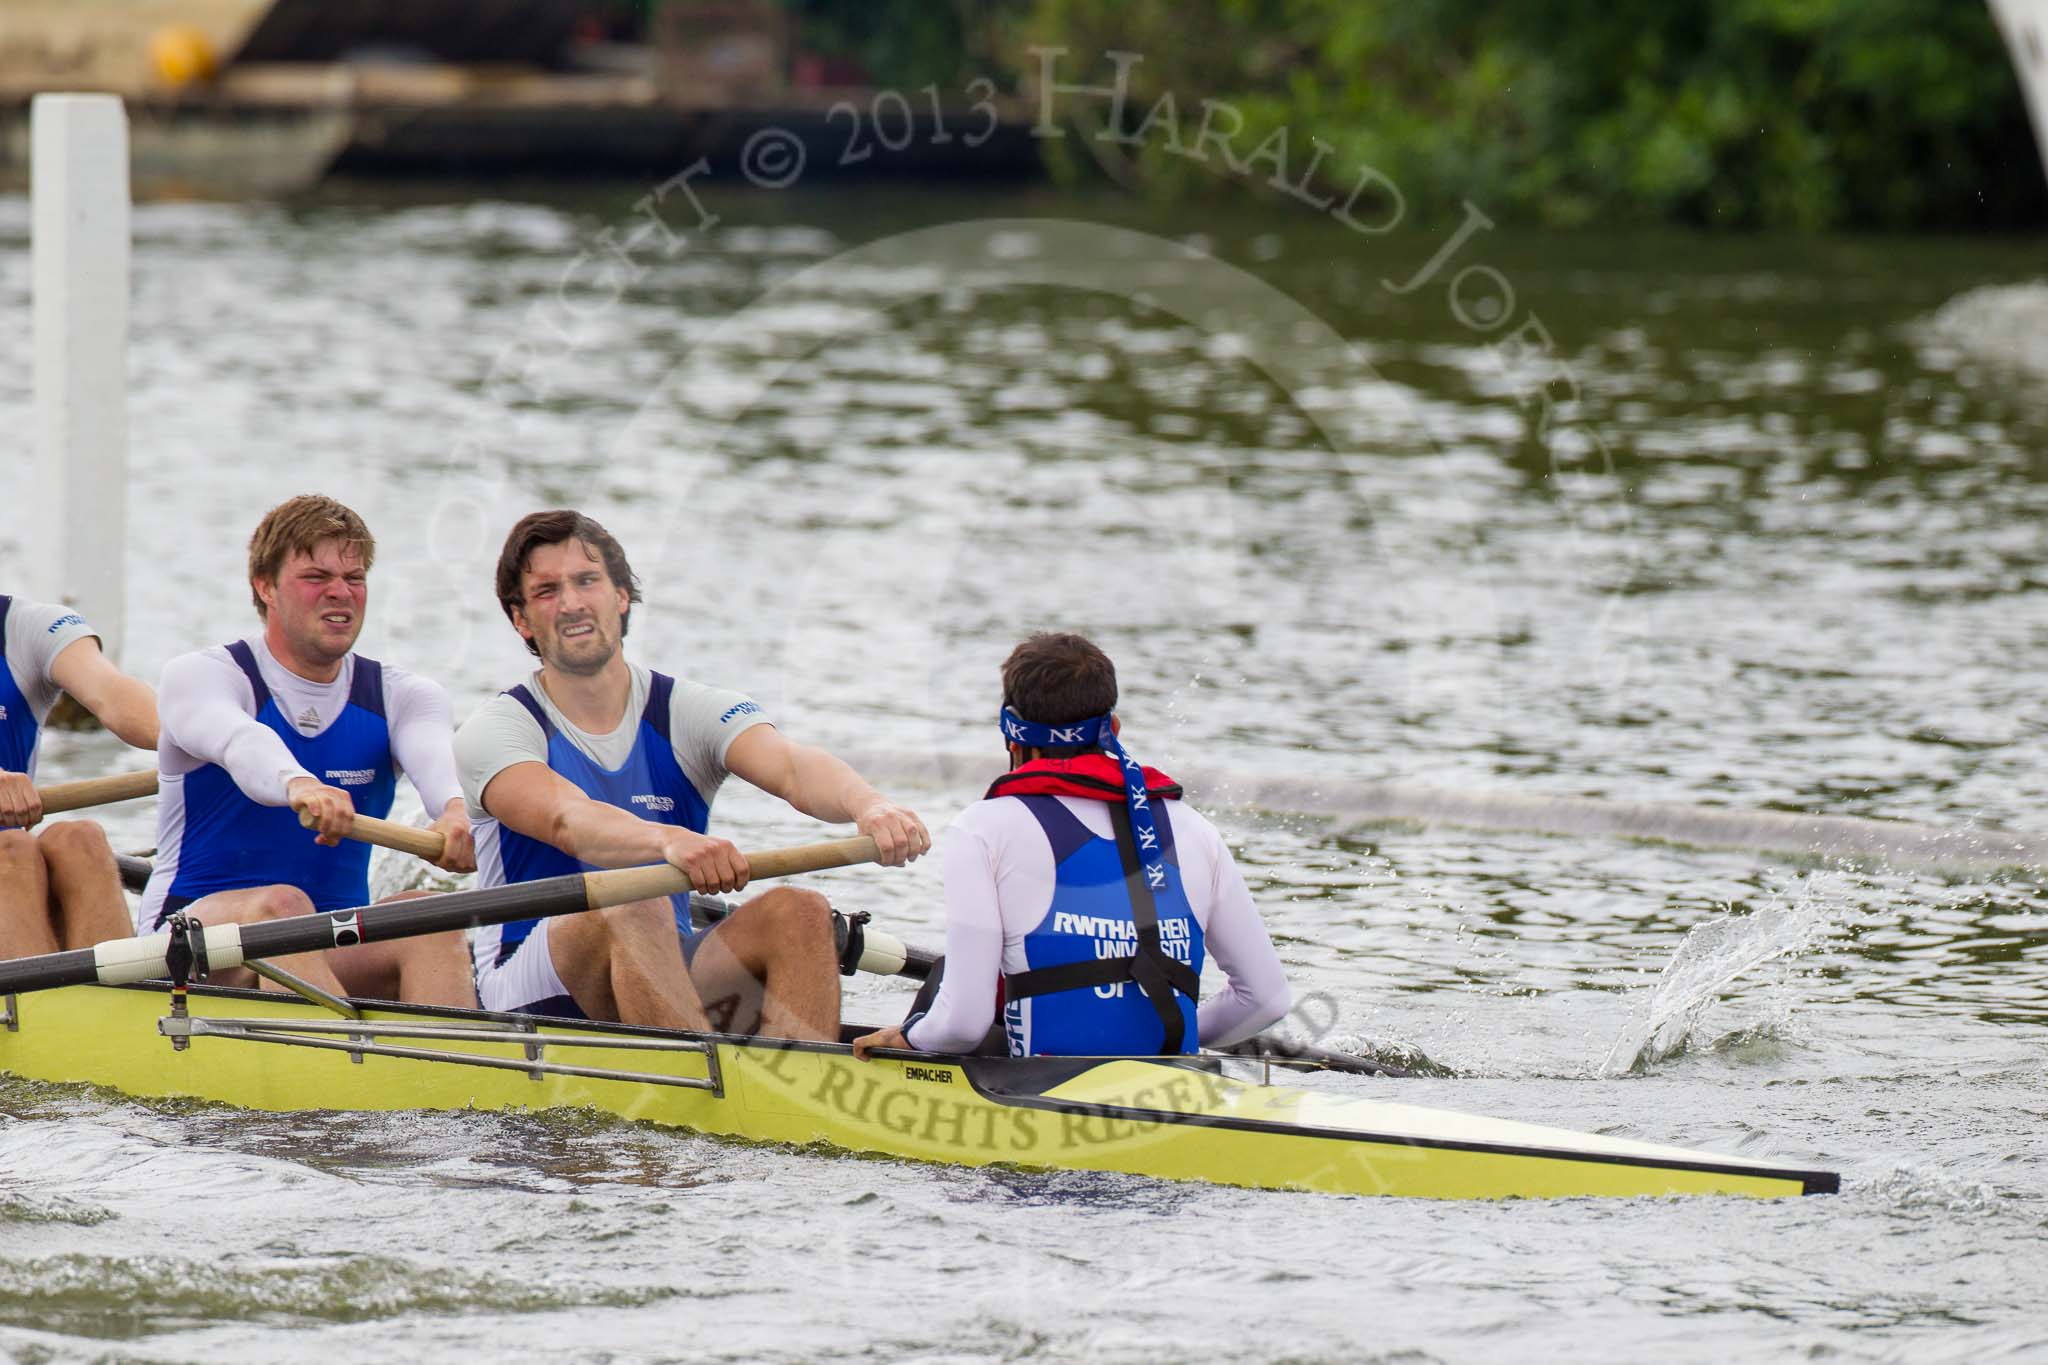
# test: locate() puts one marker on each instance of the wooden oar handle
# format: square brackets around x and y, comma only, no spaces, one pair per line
[788,862]
[637,883]
[98,791]
[421,843]
[644,883]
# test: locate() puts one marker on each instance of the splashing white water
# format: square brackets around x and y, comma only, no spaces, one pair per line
[2004,326]
[1713,956]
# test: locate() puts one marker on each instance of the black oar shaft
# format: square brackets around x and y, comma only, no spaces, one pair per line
[229,945]
[75,967]
[221,946]
[409,918]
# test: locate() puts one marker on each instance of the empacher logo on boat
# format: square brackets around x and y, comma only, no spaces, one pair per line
[660,803]
[351,777]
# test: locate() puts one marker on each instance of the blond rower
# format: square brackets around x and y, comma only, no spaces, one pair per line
[291,725]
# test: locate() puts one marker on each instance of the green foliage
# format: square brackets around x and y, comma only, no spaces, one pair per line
[1800,114]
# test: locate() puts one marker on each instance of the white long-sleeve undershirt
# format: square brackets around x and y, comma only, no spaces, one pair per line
[208,713]
[999,877]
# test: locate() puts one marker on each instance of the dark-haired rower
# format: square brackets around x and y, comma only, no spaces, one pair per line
[1082,898]
[595,761]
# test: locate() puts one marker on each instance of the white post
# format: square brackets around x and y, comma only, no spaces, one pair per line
[78,521]
[2025,26]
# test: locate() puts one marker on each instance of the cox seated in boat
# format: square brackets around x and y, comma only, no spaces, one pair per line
[595,761]
[58,888]
[1082,898]
[290,730]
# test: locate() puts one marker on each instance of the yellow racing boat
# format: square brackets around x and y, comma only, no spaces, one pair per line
[1172,1119]
[97,1016]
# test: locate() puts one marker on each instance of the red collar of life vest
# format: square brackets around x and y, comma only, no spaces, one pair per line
[1091,777]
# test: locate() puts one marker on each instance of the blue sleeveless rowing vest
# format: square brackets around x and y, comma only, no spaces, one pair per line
[18,724]
[231,843]
[1091,919]
[650,784]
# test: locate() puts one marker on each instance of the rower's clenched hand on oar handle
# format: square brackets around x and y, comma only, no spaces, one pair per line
[328,811]
[712,864]
[458,841]
[21,805]
[898,834]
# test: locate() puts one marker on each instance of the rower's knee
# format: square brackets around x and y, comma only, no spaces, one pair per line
[636,922]
[798,915]
[76,842]
[22,869]
[19,854]
[275,902]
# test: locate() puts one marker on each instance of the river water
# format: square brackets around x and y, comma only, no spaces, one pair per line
[1777,545]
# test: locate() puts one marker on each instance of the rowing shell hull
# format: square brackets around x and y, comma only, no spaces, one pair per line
[1153,1118]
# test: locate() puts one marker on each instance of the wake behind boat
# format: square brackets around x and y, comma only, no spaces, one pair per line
[1174,1119]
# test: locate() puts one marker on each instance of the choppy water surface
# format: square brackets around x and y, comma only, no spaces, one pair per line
[1785,552]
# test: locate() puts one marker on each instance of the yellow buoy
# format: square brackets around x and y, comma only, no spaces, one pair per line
[180,55]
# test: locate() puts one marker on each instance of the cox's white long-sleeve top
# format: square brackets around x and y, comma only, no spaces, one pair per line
[999,884]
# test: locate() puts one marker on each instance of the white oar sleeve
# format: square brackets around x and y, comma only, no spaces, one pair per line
[208,716]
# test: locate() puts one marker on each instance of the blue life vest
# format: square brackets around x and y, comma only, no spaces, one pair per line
[231,843]
[650,783]
[18,724]
[1114,967]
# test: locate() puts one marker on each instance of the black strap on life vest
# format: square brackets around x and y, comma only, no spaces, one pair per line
[1162,978]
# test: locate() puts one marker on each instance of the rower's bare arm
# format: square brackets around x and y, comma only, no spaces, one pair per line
[826,788]
[540,803]
[125,705]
